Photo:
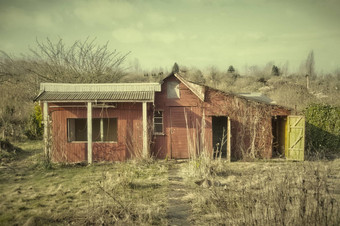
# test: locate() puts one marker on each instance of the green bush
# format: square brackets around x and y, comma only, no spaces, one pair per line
[34,129]
[322,128]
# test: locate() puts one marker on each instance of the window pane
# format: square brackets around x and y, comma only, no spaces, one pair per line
[96,129]
[158,114]
[158,128]
[80,129]
[158,120]
[71,136]
[110,129]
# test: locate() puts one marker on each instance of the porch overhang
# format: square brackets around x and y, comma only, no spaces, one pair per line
[107,92]
[114,96]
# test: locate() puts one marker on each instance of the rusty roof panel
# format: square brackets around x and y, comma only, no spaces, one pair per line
[99,96]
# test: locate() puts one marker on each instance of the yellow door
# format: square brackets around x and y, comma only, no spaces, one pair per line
[295,145]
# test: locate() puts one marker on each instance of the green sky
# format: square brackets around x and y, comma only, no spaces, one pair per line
[197,33]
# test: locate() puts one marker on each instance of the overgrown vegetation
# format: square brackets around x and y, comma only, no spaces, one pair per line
[266,193]
[34,128]
[136,192]
[102,194]
[323,129]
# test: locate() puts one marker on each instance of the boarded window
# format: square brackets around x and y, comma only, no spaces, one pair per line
[158,122]
[173,90]
[103,129]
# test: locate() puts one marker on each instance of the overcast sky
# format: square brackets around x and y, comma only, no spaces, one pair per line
[197,33]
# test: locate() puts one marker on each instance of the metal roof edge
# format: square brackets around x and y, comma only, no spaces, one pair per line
[156,87]
[200,95]
[39,95]
[247,99]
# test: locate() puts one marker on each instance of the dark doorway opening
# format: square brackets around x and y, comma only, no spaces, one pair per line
[279,124]
[220,130]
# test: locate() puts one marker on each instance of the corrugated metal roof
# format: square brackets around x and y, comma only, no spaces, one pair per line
[99,87]
[257,97]
[99,96]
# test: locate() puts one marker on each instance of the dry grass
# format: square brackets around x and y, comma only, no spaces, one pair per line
[270,193]
[238,193]
[121,193]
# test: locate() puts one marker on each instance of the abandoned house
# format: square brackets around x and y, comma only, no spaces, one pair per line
[175,119]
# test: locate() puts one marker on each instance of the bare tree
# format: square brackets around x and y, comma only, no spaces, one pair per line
[284,68]
[310,67]
[83,61]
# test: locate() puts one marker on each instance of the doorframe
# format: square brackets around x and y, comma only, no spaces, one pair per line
[228,151]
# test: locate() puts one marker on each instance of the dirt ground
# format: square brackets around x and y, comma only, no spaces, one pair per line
[179,207]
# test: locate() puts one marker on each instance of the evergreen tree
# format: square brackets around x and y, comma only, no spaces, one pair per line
[231,69]
[275,71]
[175,68]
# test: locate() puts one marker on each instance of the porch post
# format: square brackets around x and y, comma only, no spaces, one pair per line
[228,140]
[145,130]
[89,132]
[46,129]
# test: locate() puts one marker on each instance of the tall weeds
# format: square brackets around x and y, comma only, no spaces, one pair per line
[299,196]
[133,195]
[201,164]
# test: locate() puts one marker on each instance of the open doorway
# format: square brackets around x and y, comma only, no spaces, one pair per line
[279,124]
[220,132]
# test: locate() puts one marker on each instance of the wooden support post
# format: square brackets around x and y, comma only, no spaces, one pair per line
[228,140]
[89,132]
[145,131]
[101,129]
[46,130]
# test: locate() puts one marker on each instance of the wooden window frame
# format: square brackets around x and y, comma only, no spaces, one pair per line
[158,123]
[101,131]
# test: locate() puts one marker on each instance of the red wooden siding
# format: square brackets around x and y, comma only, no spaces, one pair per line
[174,142]
[178,132]
[250,122]
[129,126]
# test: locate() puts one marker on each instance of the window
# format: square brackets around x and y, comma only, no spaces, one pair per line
[173,90]
[158,122]
[103,129]
[77,129]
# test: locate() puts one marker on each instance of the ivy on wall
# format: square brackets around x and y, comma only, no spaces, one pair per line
[322,127]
